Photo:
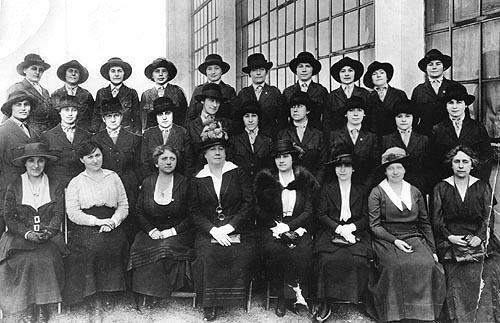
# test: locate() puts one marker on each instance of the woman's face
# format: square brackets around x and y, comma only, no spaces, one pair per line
[258,75]
[344,172]
[251,120]
[211,106]
[215,155]
[116,75]
[299,112]
[404,121]
[68,115]
[435,68]
[461,164]
[355,116]
[35,166]
[167,162]
[284,162]
[160,75]
[72,75]
[21,110]
[93,161]
[395,172]
[347,75]
[165,119]
[34,73]
[379,78]
[214,73]
[304,71]
[112,120]
[456,108]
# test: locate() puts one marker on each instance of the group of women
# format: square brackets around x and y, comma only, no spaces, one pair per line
[323,195]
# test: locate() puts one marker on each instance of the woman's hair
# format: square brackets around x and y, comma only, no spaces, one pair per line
[330,175]
[466,150]
[87,148]
[159,150]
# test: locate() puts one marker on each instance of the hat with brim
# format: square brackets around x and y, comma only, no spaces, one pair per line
[406,107]
[393,155]
[61,71]
[116,61]
[256,60]
[111,106]
[15,97]
[30,60]
[354,102]
[305,57]
[213,59]
[66,101]
[210,142]
[375,66]
[434,55]
[300,97]
[161,62]
[163,104]
[35,149]
[458,92]
[341,159]
[210,90]
[357,66]
[283,146]
[249,107]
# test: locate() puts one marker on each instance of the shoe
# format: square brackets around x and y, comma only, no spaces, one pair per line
[209,314]
[151,302]
[280,307]
[323,314]
[43,314]
[28,316]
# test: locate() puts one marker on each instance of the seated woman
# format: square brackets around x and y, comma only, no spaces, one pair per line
[31,265]
[463,224]
[161,253]
[409,284]
[342,245]
[96,203]
[284,203]
[220,199]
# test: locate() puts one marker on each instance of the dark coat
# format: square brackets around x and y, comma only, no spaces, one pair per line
[430,105]
[68,165]
[318,94]
[44,116]
[252,161]
[473,135]
[86,101]
[333,118]
[178,138]
[273,104]
[226,109]
[175,93]
[380,115]
[130,108]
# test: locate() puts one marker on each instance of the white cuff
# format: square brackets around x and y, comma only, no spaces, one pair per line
[26,235]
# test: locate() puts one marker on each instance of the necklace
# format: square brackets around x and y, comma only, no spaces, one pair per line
[35,190]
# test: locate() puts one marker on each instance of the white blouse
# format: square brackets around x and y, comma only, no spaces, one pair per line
[345,208]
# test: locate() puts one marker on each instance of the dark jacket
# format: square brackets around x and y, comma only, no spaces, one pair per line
[175,93]
[333,118]
[380,115]
[226,109]
[85,112]
[251,161]
[318,94]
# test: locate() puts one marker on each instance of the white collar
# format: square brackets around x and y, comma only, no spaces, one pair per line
[18,122]
[461,119]
[255,131]
[69,87]
[158,86]
[255,86]
[205,172]
[439,79]
[105,172]
[308,82]
[450,180]
[165,129]
[282,180]
[35,84]
[302,125]
[115,86]
[351,127]
[405,194]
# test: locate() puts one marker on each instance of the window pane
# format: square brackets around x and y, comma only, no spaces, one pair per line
[366,57]
[349,4]
[337,34]
[299,13]
[366,25]
[244,41]
[324,74]
[324,9]
[257,32]
[273,24]
[311,11]
[273,77]
[324,38]
[490,6]
[473,89]
[272,4]
[273,52]
[436,14]
[250,9]
[281,79]
[290,47]
[491,49]
[491,108]
[281,22]
[466,53]
[365,1]
[311,39]
[299,41]
[290,77]
[281,51]
[256,8]
[250,35]
[465,9]
[264,49]
[351,29]
[290,17]
[264,28]
[337,7]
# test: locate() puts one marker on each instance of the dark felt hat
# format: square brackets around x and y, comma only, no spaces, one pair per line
[434,55]
[458,92]
[283,146]
[210,90]
[112,105]
[163,104]
[213,59]
[61,71]
[66,101]
[407,107]
[300,97]
[375,66]
[210,142]
[249,107]
[29,60]
[18,96]
[353,102]
[305,57]
[347,61]
[161,62]
[341,159]
[35,149]
[393,155]
[255,61]
[116,61]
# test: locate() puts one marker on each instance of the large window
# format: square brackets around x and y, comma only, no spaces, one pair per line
[330,29]
[204,34]
[469,31]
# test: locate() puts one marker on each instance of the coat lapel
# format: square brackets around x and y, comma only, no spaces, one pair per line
[257,145]
[209,186]
[307,136]
[264,95]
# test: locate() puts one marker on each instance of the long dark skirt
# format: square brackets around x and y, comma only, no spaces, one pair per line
[221,274]
[30,276]
[162,266]
[97,262]
[286,267]
[463,281]
[408,285]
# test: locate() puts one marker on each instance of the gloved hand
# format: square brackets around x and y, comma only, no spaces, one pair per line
[279,229]
[155,234]
[36,237]
[220,236]
[227,229]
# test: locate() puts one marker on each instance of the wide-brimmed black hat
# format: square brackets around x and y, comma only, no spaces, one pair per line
[116,61]
[458,92]
[35,149]
[249,107]
[305,57]
[210,90]
[393,155]
[66,101]
[407,107]
[109,106]
[283,146]
[213,59]
[61,71]
[163,104]
[300,97]
[341,159]
[18,96]
[357,66]
[161,62]
[352,103]
[255,61]
[210,142]
[434,55]
[375,66]
[29,60]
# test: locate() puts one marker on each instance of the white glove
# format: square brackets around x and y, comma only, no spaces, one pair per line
[300,231]
[167,233]
[155,234]
[280,228]
[227,229]
[221,237]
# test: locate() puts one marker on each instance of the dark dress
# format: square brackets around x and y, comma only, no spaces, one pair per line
[226,109]
[161,266]
[175,93]
[407,285]
[452,216]
[342,270]
[221,274]
[252,161]
[86,110]
[286,267]
[333,118]
[31,273]
[380,114]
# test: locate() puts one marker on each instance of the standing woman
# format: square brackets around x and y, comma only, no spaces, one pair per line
[220,202]
[96,204]
[31,265]
[342,245]
[409,284]
[284,203]
[463,224]
[161,255]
